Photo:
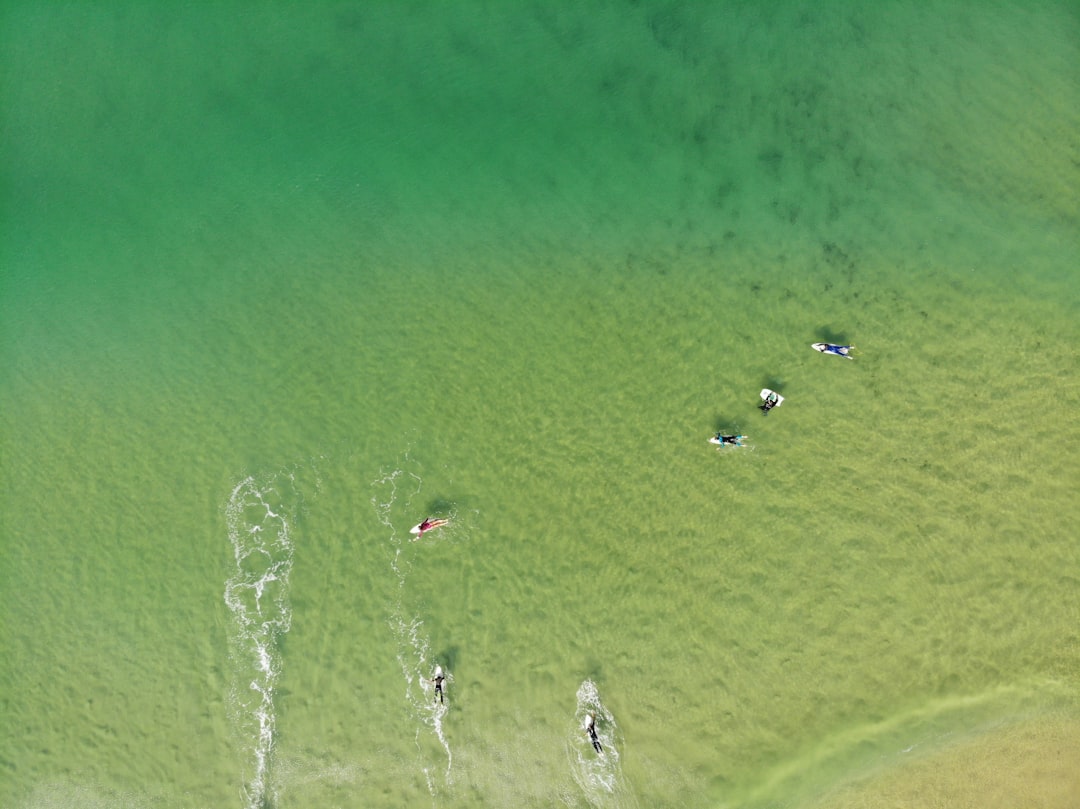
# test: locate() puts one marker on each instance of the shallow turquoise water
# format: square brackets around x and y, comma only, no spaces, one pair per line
[280,283]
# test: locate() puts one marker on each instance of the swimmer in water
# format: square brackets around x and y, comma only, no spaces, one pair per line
[590,728]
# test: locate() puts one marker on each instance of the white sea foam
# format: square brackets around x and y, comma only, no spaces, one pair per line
[259,517]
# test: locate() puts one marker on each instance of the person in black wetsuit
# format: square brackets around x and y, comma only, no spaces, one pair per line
[590,728]
[437,681]
[771,401]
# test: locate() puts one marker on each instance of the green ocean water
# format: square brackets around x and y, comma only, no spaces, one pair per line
[279,281]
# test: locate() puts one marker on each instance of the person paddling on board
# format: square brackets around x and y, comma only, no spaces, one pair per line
[437,681]
[771,399]
[731,440]
[428,524]
[830,348]
[590,728]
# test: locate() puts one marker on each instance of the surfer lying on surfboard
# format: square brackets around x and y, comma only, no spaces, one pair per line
[590,728]
[829,348]
[427,525]
[437,681]
[730,440]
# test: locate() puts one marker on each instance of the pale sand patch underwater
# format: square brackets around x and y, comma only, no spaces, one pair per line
[1029,765]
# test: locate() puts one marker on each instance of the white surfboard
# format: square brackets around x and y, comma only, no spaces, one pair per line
[765,393]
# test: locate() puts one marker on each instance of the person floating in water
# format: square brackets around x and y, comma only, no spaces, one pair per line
[730,440]
[427,525]
[770,399]
[830,348]
[437,681]
[590,728]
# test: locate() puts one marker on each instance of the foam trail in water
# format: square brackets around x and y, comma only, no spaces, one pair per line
[598,774]
[417,666]
[259,518]
[392,500]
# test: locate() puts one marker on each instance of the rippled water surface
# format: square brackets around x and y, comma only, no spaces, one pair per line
[280,283]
